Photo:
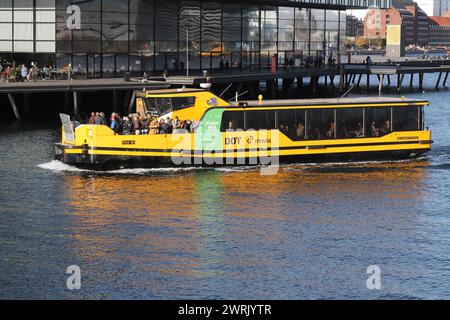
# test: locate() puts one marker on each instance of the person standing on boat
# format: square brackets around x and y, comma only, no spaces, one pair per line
[114,123]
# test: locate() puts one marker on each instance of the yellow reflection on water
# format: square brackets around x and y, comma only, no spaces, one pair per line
[181,223]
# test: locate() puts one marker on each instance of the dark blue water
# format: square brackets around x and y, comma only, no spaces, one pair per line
[309,232]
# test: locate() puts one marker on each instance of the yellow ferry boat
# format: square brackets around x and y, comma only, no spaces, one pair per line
[219,133]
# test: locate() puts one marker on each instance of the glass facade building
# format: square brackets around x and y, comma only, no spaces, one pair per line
[106,38]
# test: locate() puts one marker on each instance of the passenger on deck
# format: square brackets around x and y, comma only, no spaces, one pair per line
[92,118]
[176,123]
[97,119]
[169,125]
[300,131]
[163,127]
[374,131]
[145,129]
[359,132]
[386,128]
[284,129]
[127,126]
[331,130]
[136,125]
[114,124]
[154,126]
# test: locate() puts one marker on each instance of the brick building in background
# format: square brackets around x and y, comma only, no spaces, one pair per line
[439,31]
[409,15]
[355,27]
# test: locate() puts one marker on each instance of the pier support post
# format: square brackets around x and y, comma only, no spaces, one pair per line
[389,79]
[75,102]
[359,80]
[131,104]
[14,106]
[380,86]
[400,82]
[445,80]
[421,81]
[439,80]
[332,81]
[411,81]
[341,78]
[368,83]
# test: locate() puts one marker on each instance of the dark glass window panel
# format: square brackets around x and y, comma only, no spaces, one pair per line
[88,5]
[349,123]
[88,18]
[141,19]
[166,21]
[232,121]
[86,46]
[232,22]
[115,32]
[211,21]
[141,6]
[406,119]
[320,124]
[62,32]
[166,46]
[260,120]
[115,46]
[115,6]
[141,46]
[79,64]
[88,32]
[64,46]
[141,32]
[62,60]
[62,4]
[378,122]
[121,64]
[109,65]
[190,17]
[114,18]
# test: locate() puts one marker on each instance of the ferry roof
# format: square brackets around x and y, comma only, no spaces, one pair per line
[172,91]
[330,102]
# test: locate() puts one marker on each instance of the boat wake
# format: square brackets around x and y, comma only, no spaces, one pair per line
[60,167]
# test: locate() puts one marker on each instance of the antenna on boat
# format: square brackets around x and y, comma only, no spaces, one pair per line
[343,96]
[226,90]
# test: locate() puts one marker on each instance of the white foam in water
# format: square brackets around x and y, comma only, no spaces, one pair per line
[58,166]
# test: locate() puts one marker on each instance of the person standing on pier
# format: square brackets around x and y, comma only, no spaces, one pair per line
[69,72]
[34,72]
[24,73]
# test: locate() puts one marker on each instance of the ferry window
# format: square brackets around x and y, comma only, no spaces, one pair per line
[350,123]
[292,123]
[164,105]
[378,122]
[406,119]
[260,120]
[321,124]
[182,102]
[232,120]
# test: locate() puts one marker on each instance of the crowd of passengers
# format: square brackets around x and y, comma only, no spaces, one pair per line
[135,124]
[345,132]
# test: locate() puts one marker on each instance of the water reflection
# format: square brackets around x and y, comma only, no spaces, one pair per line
[149,231]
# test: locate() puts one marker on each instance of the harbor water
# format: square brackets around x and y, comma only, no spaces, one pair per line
[308,232]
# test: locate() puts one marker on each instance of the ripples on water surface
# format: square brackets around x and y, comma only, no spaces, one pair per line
[308,232]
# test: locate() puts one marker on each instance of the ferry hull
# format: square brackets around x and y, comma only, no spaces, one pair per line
[115,162]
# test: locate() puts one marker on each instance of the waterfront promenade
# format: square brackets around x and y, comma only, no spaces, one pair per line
[284,82]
